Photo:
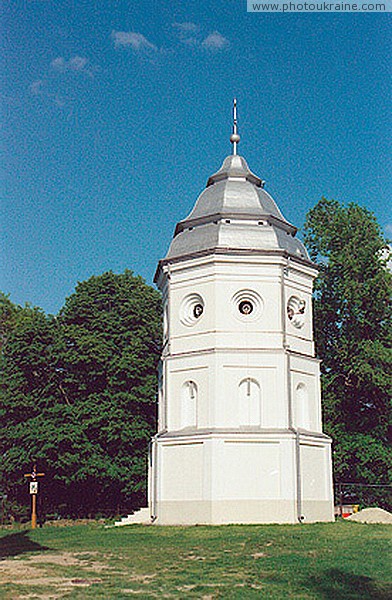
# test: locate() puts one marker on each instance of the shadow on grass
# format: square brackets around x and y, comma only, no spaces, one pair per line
[18,543]
[341,585]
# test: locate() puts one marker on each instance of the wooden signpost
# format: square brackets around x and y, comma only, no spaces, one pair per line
[33,492]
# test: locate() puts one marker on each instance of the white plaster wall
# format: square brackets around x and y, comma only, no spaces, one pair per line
[181,372]
[182,471]
[218,376]
[288,472]
[161,399]
[221,328]
[241,478]
[306,372]
[217,281]
[250,470]
[221,324]
[227,467]
[267,373]
[299,285]
[314,471]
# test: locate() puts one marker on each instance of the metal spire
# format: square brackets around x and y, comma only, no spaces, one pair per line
[235,138]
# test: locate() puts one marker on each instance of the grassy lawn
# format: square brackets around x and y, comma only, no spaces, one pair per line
[328,561]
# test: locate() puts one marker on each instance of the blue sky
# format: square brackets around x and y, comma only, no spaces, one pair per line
[116,113]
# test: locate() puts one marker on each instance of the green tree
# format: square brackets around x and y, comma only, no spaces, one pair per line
[28,390]
[79,394]
[352,319]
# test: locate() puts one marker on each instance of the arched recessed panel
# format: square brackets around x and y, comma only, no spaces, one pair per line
[165,322]
[189,394]
[161,398]
[249,402]
[302,409]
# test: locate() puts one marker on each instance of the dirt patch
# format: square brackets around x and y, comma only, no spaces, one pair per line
[371,515]
[63,587]
[194,557]
[187,588]
[42,571]
[71,522]
[253,586]
[142,578]
[150,593]
[37,568]
[20,573]
[40,596]
[190,587]
[84,582]
[66,559]
[259,555]
[34,579]
[126,591]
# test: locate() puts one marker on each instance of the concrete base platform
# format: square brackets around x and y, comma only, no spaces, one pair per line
[241,512]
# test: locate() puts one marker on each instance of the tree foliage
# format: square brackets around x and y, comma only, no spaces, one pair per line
[78,394]
[352,317]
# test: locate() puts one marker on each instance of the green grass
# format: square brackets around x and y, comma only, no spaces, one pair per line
[328,561]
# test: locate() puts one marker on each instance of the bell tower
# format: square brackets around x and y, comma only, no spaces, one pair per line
[239,417]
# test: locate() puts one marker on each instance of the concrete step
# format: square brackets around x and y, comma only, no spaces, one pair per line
[141,516]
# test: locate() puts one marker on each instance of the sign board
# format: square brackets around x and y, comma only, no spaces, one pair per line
[34,487]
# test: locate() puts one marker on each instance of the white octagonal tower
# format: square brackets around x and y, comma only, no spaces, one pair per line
[239,420]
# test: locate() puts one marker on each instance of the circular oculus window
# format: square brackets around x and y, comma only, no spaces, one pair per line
[296,311]
[247,305]
[198,310]
[192,308]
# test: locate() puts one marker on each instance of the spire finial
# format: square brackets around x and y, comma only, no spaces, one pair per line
[235,138]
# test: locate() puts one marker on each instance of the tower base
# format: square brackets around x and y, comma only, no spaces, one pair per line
[258,476]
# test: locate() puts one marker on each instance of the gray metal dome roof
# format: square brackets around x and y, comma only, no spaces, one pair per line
[235,213]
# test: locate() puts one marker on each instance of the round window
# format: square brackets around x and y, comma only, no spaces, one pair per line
[296,311]
[245,307]
[198,310]
[192,308]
